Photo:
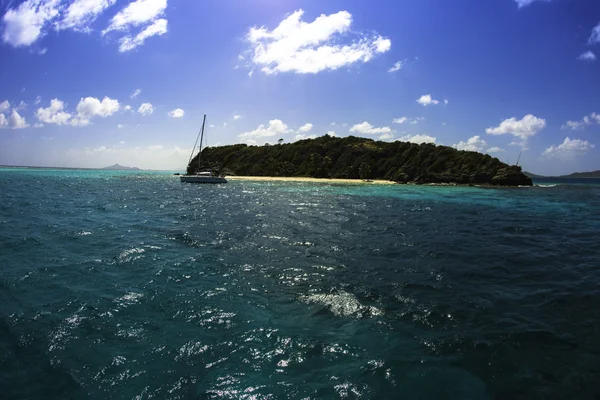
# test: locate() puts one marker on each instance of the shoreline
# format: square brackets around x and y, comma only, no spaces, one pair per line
[312,180]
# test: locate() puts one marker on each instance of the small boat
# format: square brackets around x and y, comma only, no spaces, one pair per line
[201,176]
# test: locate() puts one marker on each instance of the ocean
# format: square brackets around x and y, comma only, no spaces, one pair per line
[132,285]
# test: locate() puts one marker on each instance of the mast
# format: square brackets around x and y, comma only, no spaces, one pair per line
[201,139]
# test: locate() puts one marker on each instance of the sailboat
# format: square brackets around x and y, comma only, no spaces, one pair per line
[201,176]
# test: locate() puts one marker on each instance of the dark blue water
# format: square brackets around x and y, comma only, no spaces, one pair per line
[135,286]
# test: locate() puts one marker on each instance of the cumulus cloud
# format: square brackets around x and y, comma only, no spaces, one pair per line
[522,129]
[120,126]
[158,27]
[593,118]
[177,113]
[302,136]
[396,67]
[54,114]
[477,144]
[569,148]
[86,109]
[524,3]
[275,127]
[236,117]
[331,133]
[81,13]
[311,47]
[127,108]
[366,128]
[92,107]
[418,139]
[305,128]
[146,109]
[386,136]
[426,100]
[25,24]
[136,13]
[4,106]
[3,121]
[15,121]
[587,56]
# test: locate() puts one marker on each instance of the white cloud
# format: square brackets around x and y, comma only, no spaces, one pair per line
[120,126]
[138,12]
[135,93]
[43,51]
[569,148]
[366,128]
[22,106]
[4,106]
[54,114]
[176,113]
[587,56]
[524,3]
[331,133]
[396,67]
[311,47]
[81,13]
[3,121]
[492,150]
[92,107]
[412,121]
[25,24]
[418,139]
[15,121]
[276,127]
[38,125]
[236,117]
[446,101]
[475,143]
[146,109]
[426,100]
[593,118]
[158,27]
[522,129]
[127,108]
[301,136]
[386,136]
[305,128]
[38,100]
[595,36]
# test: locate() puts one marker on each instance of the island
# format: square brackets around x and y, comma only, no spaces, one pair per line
[361,158]
[118,167]
[575,175]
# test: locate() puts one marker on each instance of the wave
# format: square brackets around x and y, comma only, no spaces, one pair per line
[343,304]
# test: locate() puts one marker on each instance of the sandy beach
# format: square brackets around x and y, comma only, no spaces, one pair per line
[313,180]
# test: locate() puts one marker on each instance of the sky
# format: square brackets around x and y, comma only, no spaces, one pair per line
[91,83]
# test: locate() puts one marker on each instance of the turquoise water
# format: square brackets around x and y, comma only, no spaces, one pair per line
[132,285]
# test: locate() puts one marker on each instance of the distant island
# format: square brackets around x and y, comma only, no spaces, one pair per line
[578,175]
[118,167]
[360,158]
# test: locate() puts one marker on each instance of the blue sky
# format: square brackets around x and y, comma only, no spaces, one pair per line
[89,83]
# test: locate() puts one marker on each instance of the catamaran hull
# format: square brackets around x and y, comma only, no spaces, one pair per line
[202,179]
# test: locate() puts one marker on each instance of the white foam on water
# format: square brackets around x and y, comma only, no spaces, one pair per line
[343,304]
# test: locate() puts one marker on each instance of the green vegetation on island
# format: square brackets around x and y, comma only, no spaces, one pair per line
[360,158]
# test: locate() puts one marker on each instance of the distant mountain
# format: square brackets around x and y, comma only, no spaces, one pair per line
[592,174]
[579,175]
[533,176]
[118,167]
